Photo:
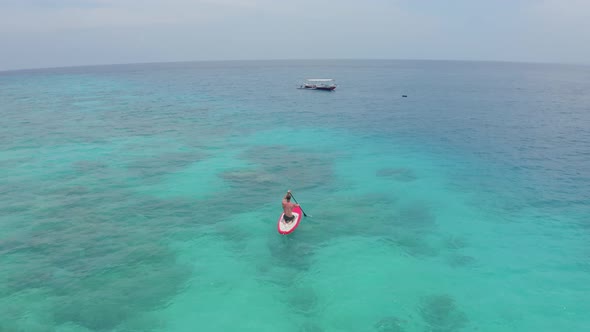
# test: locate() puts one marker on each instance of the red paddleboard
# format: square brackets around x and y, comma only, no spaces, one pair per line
[285,227]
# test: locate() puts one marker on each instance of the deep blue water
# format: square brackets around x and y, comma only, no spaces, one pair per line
[145,197]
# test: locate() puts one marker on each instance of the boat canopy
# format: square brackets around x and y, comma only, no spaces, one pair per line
[320,79]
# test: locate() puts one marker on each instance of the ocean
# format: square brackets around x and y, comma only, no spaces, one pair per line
[146,197]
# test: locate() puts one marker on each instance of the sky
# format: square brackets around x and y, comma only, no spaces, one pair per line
[56,33]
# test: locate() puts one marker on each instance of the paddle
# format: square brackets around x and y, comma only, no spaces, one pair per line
[299,204]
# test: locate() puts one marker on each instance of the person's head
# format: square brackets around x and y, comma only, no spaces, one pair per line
[288,197]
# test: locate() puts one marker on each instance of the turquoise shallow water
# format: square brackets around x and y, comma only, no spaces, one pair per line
[145,197]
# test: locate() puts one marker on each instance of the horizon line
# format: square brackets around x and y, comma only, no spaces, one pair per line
[292,59]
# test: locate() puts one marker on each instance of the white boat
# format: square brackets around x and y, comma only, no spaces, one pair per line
[326,84]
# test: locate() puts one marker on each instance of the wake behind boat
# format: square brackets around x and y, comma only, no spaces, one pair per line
[326,84]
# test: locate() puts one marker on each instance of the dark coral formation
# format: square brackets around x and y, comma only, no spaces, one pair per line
[398,174]
[441,314]
[462,261]
[389,324]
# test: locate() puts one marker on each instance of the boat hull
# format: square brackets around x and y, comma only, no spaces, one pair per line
[326,88]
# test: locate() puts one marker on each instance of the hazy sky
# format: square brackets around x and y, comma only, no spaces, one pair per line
[48,33]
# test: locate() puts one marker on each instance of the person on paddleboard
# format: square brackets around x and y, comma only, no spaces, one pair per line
[288,208]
